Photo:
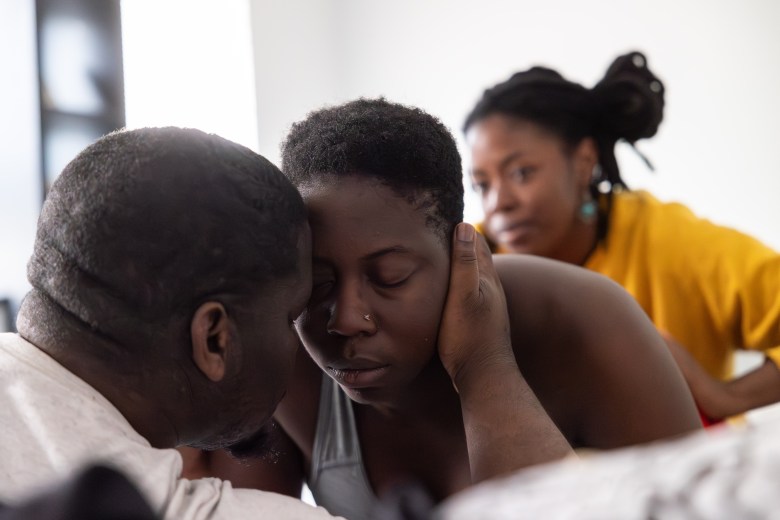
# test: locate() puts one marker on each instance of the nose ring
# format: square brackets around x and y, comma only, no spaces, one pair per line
[367,317]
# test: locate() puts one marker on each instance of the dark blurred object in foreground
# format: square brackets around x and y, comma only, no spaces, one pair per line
[95,493]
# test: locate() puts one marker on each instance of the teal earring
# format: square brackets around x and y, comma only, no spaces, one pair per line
[588,209]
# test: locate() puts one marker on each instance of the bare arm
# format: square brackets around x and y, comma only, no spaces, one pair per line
[506,426]
[721,399]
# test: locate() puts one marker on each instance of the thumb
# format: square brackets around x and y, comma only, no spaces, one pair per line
[464,271]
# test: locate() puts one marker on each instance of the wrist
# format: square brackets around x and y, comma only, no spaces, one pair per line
[488,371]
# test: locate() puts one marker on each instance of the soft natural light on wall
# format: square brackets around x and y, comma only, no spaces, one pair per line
[189,63]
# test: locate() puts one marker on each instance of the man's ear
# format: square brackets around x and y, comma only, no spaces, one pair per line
[586,157]
[210,332]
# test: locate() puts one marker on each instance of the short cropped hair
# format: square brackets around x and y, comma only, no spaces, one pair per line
[150,223]
[406,149]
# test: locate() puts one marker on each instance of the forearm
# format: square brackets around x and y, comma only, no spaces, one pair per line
[506,426]
[758,388]
[718,399]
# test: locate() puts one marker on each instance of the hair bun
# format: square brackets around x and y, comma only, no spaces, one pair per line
[629,100]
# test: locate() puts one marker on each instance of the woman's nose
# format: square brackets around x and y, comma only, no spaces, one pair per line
[500,198]
[350,316]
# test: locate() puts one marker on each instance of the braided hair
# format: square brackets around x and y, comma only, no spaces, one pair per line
[627,104]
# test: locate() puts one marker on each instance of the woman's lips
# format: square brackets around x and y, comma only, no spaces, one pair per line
[358,377]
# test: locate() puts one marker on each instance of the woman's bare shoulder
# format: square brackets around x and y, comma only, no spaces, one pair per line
[578,330]
[540,291]
[569,307]
[539,273]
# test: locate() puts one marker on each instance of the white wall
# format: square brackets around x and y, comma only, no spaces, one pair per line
[293,73]
[189,63]
[20,175]
[720,61]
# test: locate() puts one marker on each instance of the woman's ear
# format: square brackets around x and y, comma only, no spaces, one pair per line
[586,157]
[210,333]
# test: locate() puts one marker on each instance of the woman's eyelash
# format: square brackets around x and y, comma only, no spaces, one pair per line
[522,171]
[479,187]
[390,285]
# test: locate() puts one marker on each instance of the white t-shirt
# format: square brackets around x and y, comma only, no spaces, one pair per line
[53,423]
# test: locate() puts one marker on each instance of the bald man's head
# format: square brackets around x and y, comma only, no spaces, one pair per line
[146,224]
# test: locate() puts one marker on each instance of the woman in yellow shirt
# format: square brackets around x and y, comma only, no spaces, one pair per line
[543,162]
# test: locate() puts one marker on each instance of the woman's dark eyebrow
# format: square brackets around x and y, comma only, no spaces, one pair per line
[371,256]
[501,166]
[387,251]
[509,158]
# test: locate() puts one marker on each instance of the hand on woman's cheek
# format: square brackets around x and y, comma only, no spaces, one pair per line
[474,332]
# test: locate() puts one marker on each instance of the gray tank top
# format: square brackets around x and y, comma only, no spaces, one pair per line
[338,480]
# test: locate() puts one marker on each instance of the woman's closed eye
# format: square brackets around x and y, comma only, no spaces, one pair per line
[391,278]
[320,287]
[390,284]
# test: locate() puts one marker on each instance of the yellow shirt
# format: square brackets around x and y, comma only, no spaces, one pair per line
[712,288]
